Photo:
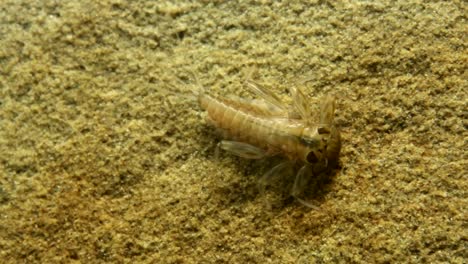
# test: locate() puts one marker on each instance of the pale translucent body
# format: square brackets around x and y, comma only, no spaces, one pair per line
[257,129]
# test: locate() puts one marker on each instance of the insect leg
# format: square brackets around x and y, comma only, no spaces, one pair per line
[302,178]
[301,104]
[266,95]
[283,169]
[243,150]
[258,106]
[327,110]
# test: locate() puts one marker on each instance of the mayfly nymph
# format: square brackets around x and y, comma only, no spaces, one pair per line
[262,128]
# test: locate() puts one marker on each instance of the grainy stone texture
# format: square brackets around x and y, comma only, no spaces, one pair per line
[102,161]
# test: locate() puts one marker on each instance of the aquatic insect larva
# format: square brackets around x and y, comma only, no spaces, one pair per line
[262,128]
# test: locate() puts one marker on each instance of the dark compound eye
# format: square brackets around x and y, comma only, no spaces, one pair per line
[311,157]
[323,130]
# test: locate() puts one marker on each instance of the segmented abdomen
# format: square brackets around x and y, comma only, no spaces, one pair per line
[244,123]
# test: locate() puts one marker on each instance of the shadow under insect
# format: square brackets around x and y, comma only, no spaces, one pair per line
[289,181]
[278,184]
